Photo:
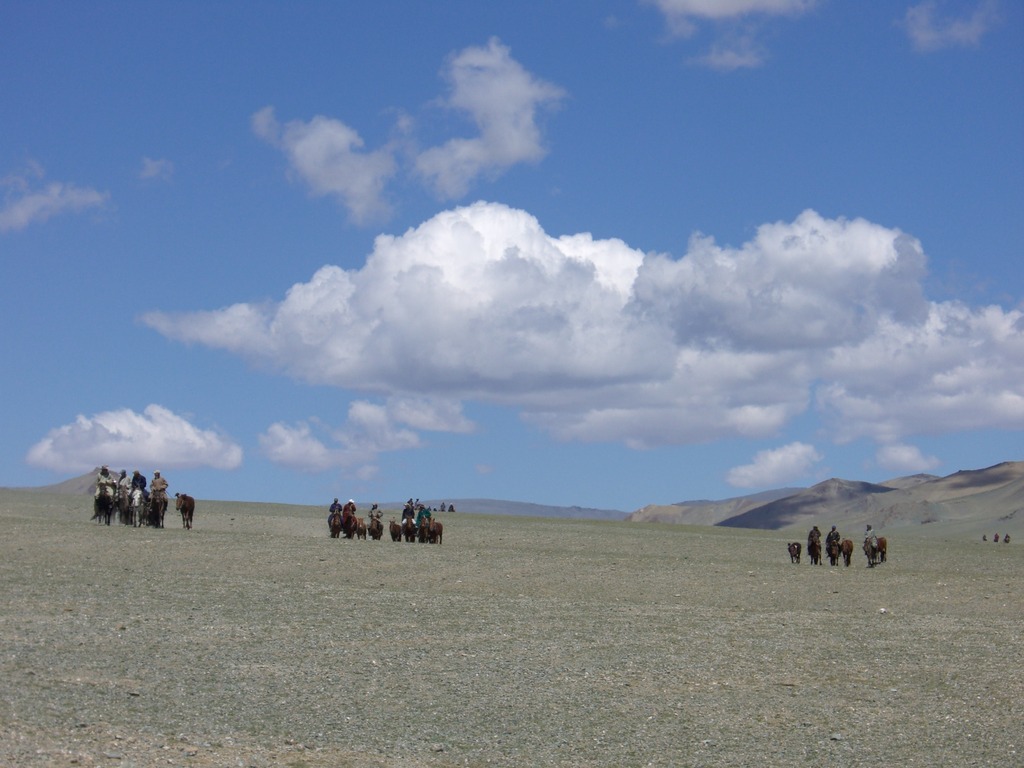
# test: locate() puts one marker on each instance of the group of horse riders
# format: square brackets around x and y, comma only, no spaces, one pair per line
[814,536]
[341,518]
[131,497]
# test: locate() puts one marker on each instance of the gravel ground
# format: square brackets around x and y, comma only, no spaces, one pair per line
[256,640]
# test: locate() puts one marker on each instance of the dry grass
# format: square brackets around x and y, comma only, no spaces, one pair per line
[256,640]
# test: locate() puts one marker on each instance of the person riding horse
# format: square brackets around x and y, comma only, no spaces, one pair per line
[158,499]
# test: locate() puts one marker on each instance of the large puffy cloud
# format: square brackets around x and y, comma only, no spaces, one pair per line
[29,200]
[594,340]
[157,436]
[502,99]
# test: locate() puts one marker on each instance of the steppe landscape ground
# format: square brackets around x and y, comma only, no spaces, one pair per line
[256,640]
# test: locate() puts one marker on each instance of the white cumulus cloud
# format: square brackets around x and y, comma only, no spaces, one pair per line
[778,466]
[594,340]
[502,99]
[155,437]
[328,156]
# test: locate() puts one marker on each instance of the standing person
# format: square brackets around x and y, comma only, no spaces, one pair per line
[158,490]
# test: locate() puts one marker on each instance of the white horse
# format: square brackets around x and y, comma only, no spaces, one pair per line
[140,510]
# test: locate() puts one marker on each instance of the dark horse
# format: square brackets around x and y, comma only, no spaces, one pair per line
[187,506]
[814,551]
[875,550]
[375,528]
[409,529]
[103,507]
[157,508]
[832,550]
[334,523]
[794,551]
[846,547]
[396,530]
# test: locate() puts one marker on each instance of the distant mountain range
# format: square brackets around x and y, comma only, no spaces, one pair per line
[968,501]
[981,499]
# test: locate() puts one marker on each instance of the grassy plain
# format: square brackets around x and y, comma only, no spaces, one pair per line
[256,640]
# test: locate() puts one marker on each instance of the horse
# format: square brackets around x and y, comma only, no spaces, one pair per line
[138,507]
[435,531]
[157,508]
[187,506]
[832,550]
[794,551]
[814,551]
[409,529]
[103,505]
[875,550]
[1006,539]
[360,528]
[395,530]
[334,524]
[124,505]
[846,547]
[375,529]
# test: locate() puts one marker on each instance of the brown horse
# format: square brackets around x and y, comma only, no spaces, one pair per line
[814,551]
[360,528]
[435,531]
[395,530]
[409,529]
[794,551]
[187,506]
[846,547]
[875,550]
[375,528]
[334,524]
[832,550]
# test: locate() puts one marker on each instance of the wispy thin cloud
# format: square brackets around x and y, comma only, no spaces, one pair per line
[735,47]
[160,169]
[929,30]
[28,199]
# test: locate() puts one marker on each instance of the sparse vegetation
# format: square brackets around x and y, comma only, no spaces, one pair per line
[257,640]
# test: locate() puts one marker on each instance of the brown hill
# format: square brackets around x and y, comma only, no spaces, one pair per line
[967,502]
[706,512]
[831,497]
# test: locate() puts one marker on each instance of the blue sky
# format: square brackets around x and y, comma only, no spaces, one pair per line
[603,253]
